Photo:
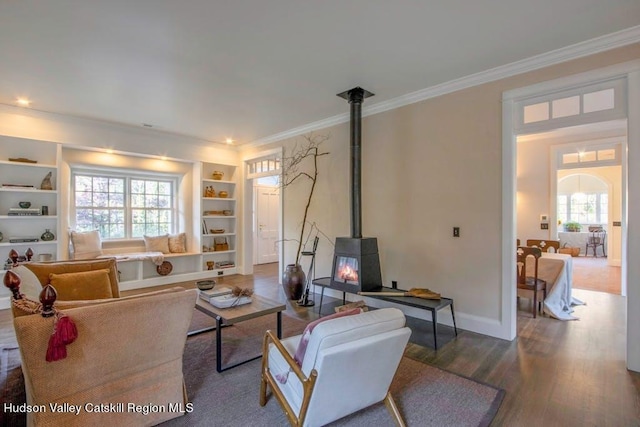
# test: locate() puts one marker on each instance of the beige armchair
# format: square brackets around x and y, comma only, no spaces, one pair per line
[348,365]
[124,368]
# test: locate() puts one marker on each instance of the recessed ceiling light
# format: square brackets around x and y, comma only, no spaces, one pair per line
[109,151]
[163,157]
[229,141]
[25,102]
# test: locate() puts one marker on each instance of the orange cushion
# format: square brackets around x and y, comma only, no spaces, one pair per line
[83,285]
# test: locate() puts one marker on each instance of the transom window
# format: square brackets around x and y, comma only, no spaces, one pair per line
[601,101]
[124,206]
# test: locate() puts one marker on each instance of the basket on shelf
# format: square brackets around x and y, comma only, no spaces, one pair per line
[574,252]
[220,244]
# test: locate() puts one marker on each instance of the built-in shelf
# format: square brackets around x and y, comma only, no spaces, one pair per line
[218,234]
[222,199]
[27,190]
[219,252]
[22,182]
[27,217]
[30,165]
[217,181]
[38,243]
[218,216]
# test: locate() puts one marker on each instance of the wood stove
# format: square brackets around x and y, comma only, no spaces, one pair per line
[356,263]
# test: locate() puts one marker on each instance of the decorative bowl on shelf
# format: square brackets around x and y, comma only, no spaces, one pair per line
[217,175]
[24,205]
[217,230]
[205,285]
[223,194]
[227,212]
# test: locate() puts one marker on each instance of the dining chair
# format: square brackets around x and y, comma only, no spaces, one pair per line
[545,245]
[596,238]
[530,284]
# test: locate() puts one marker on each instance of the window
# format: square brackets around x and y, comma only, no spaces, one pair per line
[264,166]
[584,208]
[122,206]
[602,101]
[607,154]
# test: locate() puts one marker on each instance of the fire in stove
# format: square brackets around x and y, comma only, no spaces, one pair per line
[347,270]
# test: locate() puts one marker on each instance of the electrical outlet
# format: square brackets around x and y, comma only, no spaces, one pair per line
[544,226]
[456,231]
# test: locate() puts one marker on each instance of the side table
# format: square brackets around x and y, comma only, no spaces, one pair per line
[433,305]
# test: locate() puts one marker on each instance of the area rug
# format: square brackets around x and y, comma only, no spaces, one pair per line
[426,396]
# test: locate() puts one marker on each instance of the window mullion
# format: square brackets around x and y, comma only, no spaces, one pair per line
[127,209]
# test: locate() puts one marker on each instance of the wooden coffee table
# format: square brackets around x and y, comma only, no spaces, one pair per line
[259,306]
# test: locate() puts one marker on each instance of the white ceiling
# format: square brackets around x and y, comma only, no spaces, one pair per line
[249,69]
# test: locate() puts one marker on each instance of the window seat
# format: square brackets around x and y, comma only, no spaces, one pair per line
[139,269]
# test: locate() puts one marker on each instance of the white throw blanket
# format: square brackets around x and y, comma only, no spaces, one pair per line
[155,257]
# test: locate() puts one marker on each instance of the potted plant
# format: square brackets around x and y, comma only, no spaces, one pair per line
[572,226]
[295,168]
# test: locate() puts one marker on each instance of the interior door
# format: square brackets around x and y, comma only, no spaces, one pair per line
[267,202]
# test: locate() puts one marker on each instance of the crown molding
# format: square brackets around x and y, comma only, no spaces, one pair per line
[589,47]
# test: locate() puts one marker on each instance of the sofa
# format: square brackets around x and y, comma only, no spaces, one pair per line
[124,368]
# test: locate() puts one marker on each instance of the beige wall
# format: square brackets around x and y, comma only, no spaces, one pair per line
[428,167]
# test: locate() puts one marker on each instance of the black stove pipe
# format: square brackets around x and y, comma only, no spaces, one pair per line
[355,97]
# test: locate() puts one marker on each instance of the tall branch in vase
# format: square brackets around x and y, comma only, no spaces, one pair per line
[308,152]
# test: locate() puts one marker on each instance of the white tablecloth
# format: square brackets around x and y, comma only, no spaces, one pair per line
[559,301]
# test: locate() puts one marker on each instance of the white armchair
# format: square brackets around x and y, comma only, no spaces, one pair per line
[348,365]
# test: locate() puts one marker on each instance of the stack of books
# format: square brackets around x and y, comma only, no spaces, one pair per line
[25,212]
[215,292]
[23,239]
[225,264]
[223,298]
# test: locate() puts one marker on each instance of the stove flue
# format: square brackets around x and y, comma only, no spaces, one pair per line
[356,263]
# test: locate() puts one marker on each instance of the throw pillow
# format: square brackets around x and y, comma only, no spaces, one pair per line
[30,286]
[157,243]
[83,285]
[86,244]
[302,346]
[356,304]
[178,243]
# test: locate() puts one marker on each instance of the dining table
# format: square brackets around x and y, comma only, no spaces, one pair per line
[557,270]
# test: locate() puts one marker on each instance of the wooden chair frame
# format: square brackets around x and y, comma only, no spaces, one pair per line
[527,282]
[544,245]
[308,384]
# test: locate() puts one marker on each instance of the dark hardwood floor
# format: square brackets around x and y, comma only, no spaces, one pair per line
[555,373]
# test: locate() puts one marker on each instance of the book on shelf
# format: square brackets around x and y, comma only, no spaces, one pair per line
[24,211]
[25,214]
[226,264]
[18,186]
[23,239]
